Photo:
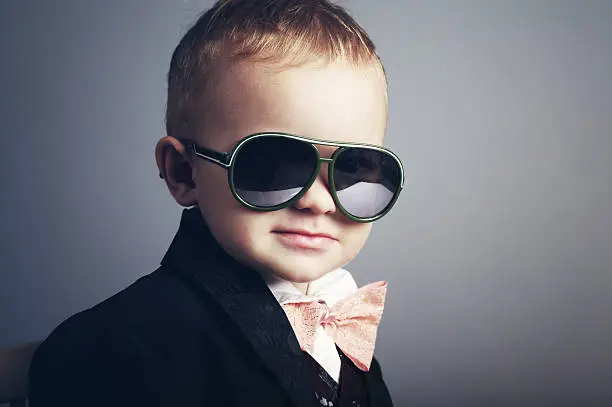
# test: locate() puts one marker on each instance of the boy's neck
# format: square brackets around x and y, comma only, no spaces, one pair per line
[303,287]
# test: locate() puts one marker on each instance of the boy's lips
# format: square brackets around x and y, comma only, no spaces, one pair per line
[304,239]
[305,233]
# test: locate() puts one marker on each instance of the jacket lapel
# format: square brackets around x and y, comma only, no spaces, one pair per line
[246,299]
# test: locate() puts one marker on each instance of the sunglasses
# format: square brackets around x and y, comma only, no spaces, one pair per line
[271,171]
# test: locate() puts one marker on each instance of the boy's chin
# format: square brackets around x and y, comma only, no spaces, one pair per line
[303,271]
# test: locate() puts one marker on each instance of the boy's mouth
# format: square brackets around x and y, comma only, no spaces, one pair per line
[304,239]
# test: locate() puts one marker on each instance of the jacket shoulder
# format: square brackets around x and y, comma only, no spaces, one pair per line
[156,303]
[119,349]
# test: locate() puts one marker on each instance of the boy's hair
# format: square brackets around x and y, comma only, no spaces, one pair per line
[285,32]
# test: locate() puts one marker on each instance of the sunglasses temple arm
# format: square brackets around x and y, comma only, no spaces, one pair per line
[216,157]
[221,159]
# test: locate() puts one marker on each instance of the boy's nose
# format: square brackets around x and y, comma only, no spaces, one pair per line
[317,199]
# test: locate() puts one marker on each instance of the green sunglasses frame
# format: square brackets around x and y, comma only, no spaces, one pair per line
[227,160]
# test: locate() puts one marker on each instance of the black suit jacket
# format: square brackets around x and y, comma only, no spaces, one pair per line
[201,330]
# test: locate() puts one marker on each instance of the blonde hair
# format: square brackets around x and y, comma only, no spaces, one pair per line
[287,32]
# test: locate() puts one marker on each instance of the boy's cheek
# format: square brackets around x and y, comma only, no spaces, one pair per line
[237,228]
[354,239]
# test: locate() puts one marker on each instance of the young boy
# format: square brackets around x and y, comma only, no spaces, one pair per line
[276,113]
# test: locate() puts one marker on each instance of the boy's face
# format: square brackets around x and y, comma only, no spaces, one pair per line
[336,102]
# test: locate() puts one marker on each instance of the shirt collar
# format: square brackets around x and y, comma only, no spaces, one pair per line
[330,288]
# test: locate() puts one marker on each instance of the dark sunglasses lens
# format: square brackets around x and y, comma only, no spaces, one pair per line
[269,171]
[366,181]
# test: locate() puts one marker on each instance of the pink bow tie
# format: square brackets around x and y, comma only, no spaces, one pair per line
[352,322]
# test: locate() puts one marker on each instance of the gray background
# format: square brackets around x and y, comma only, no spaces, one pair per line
[499,253]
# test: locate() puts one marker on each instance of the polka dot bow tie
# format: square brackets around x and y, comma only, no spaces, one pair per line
[352,322]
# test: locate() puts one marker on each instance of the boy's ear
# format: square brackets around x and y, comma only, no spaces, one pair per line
[175,168]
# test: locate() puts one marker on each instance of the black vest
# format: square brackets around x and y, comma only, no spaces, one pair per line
[351,392]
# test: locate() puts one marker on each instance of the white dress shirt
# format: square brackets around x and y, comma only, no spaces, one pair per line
[330,288]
